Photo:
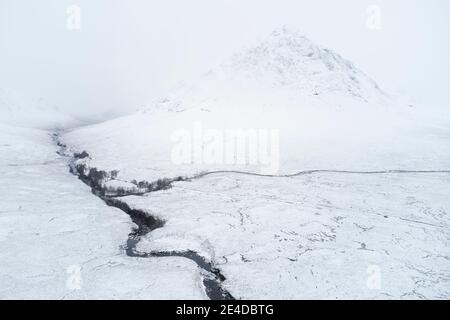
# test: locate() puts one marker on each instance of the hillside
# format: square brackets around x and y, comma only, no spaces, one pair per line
[15,109]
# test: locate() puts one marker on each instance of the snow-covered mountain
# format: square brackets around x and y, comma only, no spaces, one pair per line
[328,113]
[370,194]
[360,189]
[286,68]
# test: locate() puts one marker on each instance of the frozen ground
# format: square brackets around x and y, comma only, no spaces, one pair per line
[372,223]
[58,241]
[324,235]
[316,235]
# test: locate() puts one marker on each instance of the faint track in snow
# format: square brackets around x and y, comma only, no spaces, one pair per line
[309,172]
[146,223]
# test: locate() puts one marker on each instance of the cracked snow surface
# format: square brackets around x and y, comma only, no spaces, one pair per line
[353,204]
[358,218]
[58,241]
[362,219]
[315,236]
[100,183]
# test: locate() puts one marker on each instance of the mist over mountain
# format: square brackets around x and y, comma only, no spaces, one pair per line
[17,109]
[285,172]
[286,65]
[289,169]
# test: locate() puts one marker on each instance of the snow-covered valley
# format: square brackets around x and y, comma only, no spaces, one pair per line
[58,241]
[352,202]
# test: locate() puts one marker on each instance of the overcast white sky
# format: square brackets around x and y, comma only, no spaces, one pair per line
[129,52]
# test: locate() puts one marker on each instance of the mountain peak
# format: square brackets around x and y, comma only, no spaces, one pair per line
[286,65]
[288,58]
[286,31]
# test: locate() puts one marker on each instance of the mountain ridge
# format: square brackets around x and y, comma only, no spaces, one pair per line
[286,65]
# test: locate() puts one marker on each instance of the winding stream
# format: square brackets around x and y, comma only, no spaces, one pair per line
[212,277]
